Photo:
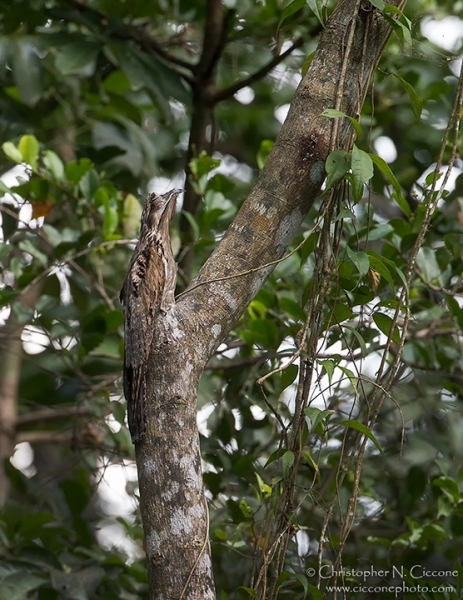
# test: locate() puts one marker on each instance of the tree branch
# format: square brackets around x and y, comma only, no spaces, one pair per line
[169,459]
[51,414]
[203,87]
[262,72]
[137,35]
[290,181]
[214,38]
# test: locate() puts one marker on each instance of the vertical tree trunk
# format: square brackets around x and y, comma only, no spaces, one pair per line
[10,369]
[169,464]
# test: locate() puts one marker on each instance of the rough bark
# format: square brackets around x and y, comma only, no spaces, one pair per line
[169,464]
[9,377]
[10,369]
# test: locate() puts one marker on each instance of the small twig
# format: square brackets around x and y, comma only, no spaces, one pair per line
[245,362]
[255,269]
[284,428]
[49,414]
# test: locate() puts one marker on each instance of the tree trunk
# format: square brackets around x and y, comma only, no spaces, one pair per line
[10,369]
[173,508]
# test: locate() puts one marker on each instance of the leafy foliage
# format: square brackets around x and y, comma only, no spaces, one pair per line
[95,103]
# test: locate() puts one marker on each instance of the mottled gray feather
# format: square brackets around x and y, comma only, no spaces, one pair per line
[148,290]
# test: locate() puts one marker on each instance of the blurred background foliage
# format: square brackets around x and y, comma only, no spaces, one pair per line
[96,102]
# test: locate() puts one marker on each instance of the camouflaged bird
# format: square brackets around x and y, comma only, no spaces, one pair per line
[148,290]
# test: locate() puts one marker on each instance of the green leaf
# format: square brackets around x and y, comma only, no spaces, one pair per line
[131,216]
[203,165]
[264,151]
[329,366]
[402,277]
[333,113]
[459,568]
[17,586]
[429,267]
[398,196]
[29,148]
[288,376]
[317,416]
[352,423]
[384,324]
[54,164]
[362,171]
[111,219]
[416,101]
[257,309]
[444,507]
[393,10]
[376,232]
[245,508]
[337,164]
[264,489]
[433,177]
[9,221]
[390,304]
[381,265]
[344,212]
[27,70]
[379,4]
[359,338]
[12,152]
[289,10]
[263,332]
[401,30]
[4,189]
[122,54]
[75,170]
[88,185]
[292,308]
[77,585]
[5,250]
[449,486]
[220,534]
[32,248]
[351,376]
[306,63]
[362,295]
[144,71]
[193,224]
[307,250]
[340,313]
[316,7]
[77,57]
[287,461]
[315,592]
[311,462]
[251,591]
[117,83]
[455,310]
[32,524]
[163,81]
[220,183]
[273,457]
[360,260]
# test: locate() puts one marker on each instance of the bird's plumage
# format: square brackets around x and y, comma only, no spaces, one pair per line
[148,290]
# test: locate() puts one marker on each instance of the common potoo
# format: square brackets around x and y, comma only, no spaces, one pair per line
[148,290]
